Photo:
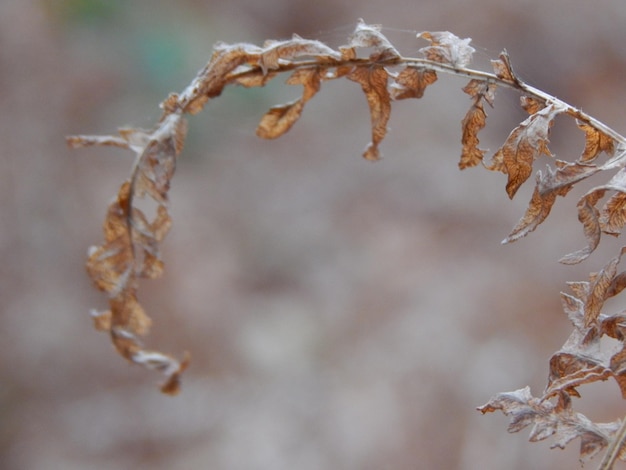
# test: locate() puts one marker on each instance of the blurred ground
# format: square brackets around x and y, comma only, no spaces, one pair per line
[341,314]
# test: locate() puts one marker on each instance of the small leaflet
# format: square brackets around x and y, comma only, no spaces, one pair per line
[275,53]
[502,68]
[474,121]
[549,185]
[411,83]
[280,119]
[447,48]
[373,81]
[549,419]
[523,145]
[596,142]
[369,36]
[610,219]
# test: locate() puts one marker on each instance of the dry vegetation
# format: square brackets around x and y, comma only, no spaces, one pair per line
[138,219]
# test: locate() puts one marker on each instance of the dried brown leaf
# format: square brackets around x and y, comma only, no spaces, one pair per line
[146,237]
[173,370]
[481,90]
[129,347]
[253,77]
[610,220]
[155,170]
[373,81]
[128,314]
[537,211]
[212,79]
[277,53]
[111,264]
[279,119]
[531,105]
[617,285]
[524,144]
[101,320]
[474,121]
[579,288]
[80,141]
[568,371]
[369,36]
[589,216]
[613,216]
[614,326]
[596,142]
[618,359]
[552,419]
[502,68]
[348,53]
[309,78]
[552,183]
[411,83]
[137,139]
[447,48]
[600,288]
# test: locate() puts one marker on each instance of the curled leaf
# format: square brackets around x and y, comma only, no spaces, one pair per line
[584,364]
[531,104]
[502,68]
[600,288]
[595,142]
[369,36]
[549,185]
[279,119]
[474,121]
[110,265]
[610,220]
[275,53]
[212,79]
[373,81]
[523,145]
[589,216]
[411,83]
[447,48]
[556,420]
[251,77]
[613,215]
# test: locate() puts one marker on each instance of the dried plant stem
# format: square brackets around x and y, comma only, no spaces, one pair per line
[130,250]
[614,448]
[426,64]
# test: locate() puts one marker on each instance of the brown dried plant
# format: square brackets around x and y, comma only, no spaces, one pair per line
[130,250]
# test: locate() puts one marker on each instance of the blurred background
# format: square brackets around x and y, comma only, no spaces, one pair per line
[341,314]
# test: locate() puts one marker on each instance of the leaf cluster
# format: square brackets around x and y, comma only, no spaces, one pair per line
[130,250]
[581,360]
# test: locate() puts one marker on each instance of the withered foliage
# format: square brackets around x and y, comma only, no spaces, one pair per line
[581,360]
[552,419]
[130,250]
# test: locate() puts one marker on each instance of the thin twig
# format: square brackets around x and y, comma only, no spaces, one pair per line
[613,451]
[519,85]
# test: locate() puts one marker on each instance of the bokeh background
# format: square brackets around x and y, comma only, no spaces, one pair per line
[341,314]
